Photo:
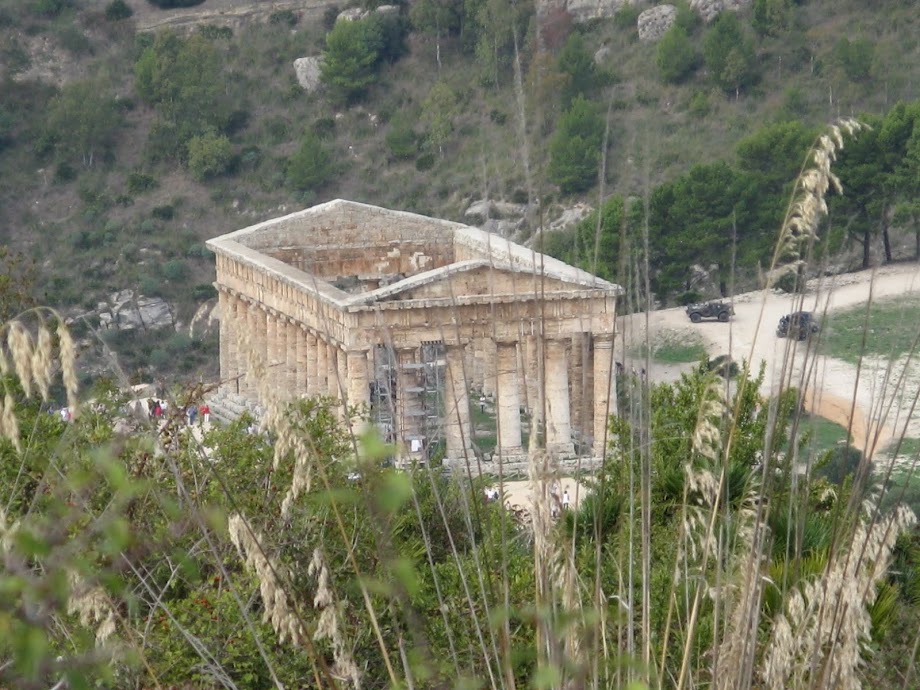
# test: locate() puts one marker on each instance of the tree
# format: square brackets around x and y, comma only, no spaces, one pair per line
[350,60]
[729,53]
[577,63]
[575,148]
[183,80]
[83,121]
[401,138]
[209,155]
[311,167]
[771,17]
[855,58]
[438,112]
[438,18]
[676,57]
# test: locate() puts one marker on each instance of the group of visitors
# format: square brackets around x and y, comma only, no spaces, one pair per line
[157,409]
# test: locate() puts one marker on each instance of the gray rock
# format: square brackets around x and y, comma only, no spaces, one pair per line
[505,209]
[352,14]
[654,22]
[709,9]
[600,57]
[146,313]
[570,217]
[205,320]
[583,10]
[307,70]
[387,9]
[478,211]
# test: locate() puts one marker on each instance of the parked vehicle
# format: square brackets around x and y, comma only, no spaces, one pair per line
[710,310]
[799,325]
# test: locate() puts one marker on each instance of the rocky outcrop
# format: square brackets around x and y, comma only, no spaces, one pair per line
[654,22]
[570,217]
[126,311]
[307,70]
[205,321]
[709,9]
[583,10]
[353,14]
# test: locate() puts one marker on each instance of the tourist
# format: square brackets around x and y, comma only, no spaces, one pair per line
[565,500]
[205,414]
[191,412]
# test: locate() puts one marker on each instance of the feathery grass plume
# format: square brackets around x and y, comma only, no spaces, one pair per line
[707,438]
[19,343]
[329,626]
[42,361]
[9,424]
[278,610]
[68,354]
[808,204]
[819,639]
[91,604]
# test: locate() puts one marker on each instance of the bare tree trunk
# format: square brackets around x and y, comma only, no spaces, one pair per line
[867,248]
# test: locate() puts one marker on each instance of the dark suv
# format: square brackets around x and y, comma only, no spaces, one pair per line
[799,325]
[709,310]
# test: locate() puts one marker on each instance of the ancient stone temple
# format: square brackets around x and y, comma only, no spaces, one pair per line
[436,329]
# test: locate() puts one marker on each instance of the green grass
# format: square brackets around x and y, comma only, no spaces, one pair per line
[671,347]
[889,332]
[823,434]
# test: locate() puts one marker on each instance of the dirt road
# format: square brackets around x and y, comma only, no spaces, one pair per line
[880,408]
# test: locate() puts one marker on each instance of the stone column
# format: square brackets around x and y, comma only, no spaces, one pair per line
[225,310]
[457,426]
[300,364]
[508,401]
[488,366]
[292,383]
[255,317]
[558,415]
[577,385]
[341,375]
[332,371]
[272,350]
[531,355]
[357,381]
[321,371]
[605,392]
[236,324]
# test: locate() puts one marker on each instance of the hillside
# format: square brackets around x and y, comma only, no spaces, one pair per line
[102,192]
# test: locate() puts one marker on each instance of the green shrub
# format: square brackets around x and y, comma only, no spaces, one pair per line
[676,57]
[198,250]
[180,342]
[139,182]
[330,14]
[699,104]
[425,162]
[170,4]
[160,358]
[50,8]
[283,18]
[209,155]
[324,127]
[150,286]
[117,10]
[627,18]
[166,212]
[64,173]
[401,139]
[203,292]
[855,58]
[213,32]
[175,270]
[311,167]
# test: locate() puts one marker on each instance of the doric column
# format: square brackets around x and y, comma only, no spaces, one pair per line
[358,388]
[488,366]
[300,361]
[508,401]
[341,376]
[605,392]
[457,427]
[272,349]
[581,424]
[225,307]
[236,323]
[531,376]
[321,372]
[478,370]
[311,364]
[558,415]
[255,317]
[292,383]
[332,371]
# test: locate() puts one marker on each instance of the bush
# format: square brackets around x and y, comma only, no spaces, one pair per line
[324,127]
[628,17]
[209,155]
[575,147]
[311,167]
[175,270]
[401,139]
[213,32]
[283,18]
[425,162]
[117,10]
[139,182]
[855,58]
[50,8]
[676,57]
[203,292]
[167,212]
[330,14]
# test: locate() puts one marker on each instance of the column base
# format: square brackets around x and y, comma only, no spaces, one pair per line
[561,450]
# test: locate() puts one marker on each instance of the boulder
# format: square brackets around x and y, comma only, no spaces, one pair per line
[478,212]
[709,9]
[584,10]
[387,9]
[125,311]
[205,320]
[654,22]
[570,216]
[352,14]
[600,57]
[307,70]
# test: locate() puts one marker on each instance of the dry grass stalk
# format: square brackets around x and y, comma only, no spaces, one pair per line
[329,626]
[825,624]
[808,205]
[91,604]
[278,609]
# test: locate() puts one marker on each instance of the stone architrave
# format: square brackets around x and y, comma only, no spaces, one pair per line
[558,415]
[604,390]
[457,428]
[508,401]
